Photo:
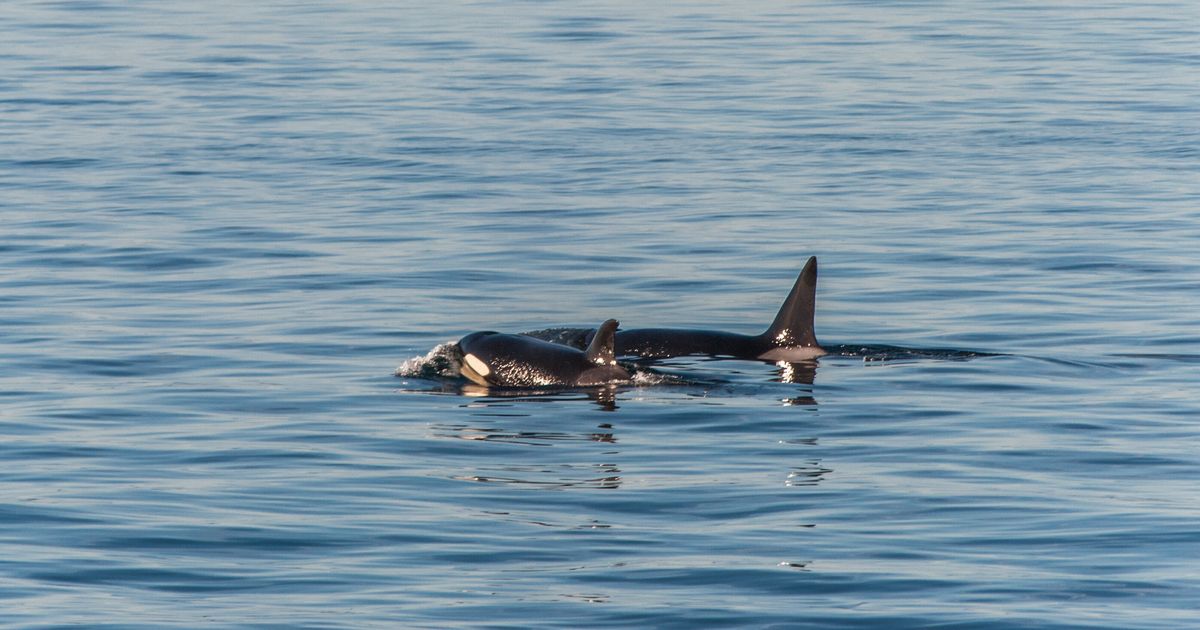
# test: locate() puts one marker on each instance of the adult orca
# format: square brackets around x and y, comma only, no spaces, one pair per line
[789,338]
[499,360]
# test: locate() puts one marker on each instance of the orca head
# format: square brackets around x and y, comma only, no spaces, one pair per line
[477,353]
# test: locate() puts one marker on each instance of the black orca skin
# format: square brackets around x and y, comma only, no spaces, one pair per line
[790,337]
[501,360]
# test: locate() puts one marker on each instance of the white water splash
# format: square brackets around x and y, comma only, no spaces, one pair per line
[443,360]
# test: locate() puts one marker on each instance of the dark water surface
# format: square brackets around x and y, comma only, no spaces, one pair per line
[224,226]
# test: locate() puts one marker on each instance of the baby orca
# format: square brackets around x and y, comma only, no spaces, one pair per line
[789,338]
[499,360]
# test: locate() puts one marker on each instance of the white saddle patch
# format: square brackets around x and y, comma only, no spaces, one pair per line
[793,354]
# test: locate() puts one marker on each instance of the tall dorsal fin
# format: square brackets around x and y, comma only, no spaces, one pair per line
[793,325]
[600,351]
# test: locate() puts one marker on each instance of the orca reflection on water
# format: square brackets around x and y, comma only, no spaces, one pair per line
[500,360]
[790,337]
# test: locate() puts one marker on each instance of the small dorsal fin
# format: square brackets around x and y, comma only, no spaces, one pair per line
[793,325]
[601,350]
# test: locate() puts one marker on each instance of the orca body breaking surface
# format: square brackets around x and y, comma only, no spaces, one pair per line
[502,360]
[790,337]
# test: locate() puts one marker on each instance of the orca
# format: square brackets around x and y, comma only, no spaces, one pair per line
[493,359]
[789,338]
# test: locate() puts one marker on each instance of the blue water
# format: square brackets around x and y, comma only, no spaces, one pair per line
[224,226]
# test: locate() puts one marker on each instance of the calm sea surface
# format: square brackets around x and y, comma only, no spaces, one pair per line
[224,225]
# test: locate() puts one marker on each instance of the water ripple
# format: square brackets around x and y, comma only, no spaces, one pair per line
[224,229]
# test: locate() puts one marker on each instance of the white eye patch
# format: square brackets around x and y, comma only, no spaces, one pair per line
[474,363]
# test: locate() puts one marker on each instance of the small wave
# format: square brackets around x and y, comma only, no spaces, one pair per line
[647,378]
[1161,356]
[873,353]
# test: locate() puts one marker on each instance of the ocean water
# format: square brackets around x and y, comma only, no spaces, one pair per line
[224,226]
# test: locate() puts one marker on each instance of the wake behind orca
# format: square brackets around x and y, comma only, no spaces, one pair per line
[790,337]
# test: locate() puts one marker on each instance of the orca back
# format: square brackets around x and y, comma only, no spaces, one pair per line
[501,360]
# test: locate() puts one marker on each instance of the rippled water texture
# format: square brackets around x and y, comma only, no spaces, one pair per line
[225,225]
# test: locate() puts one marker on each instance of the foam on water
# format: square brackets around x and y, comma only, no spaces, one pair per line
[444,361]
